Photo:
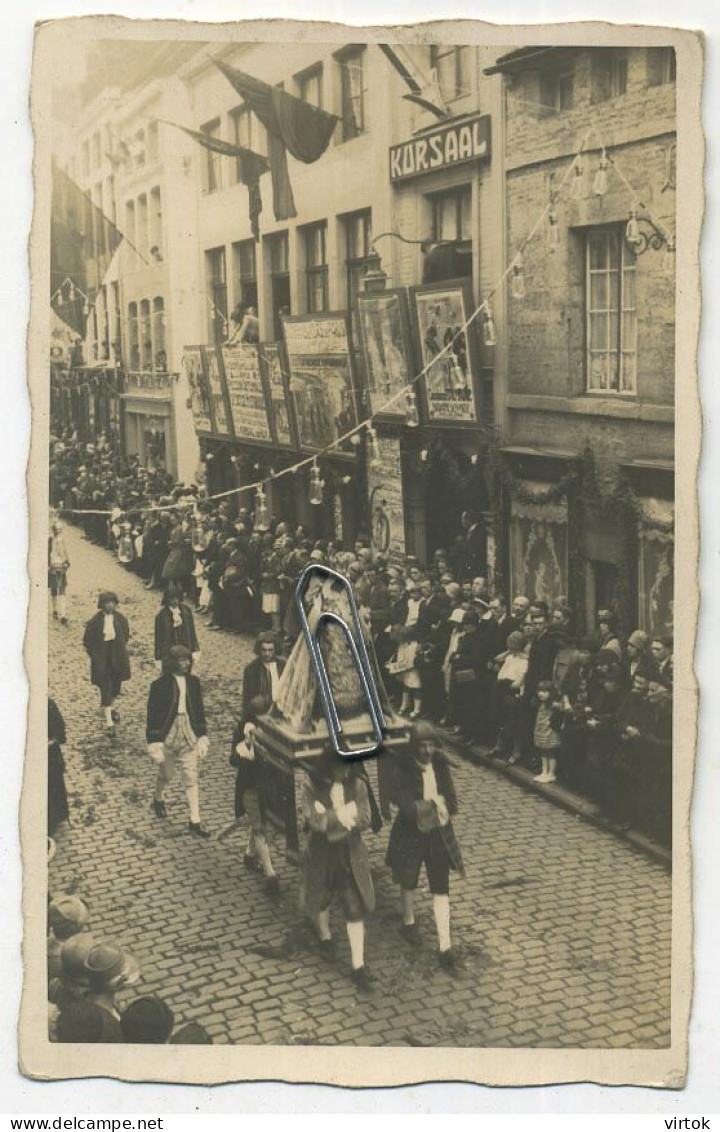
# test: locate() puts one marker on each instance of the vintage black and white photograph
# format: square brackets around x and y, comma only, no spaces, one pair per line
[402,313]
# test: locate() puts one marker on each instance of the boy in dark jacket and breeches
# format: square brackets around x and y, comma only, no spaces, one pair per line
[336,809]
[177,732]
[105,640]
[174,625]
[422,833]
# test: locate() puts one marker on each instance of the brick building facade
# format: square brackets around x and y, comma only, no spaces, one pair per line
[588,442]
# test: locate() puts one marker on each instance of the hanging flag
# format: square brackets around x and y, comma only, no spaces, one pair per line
[82,243]
[251,166]
[292,125]
[424,87]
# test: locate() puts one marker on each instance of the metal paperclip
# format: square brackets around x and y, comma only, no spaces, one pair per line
[359,653]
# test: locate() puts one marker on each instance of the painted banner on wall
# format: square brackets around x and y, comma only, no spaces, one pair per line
[277,386]
[448,387]
[216,385]
[193,366]
[246,391]
[385,495]
[321,377]
[539,550]
[386,347]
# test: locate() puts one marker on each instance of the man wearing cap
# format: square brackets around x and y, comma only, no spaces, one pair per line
[105,640]
[177,732]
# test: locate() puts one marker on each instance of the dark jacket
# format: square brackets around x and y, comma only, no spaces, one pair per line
[162,707]
[256,681]
[541,660]
[104,661]
[166,635]
[474,564]
[407,844]
[327,838]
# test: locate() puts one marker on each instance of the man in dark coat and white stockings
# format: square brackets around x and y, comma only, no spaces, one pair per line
[177,732]
[422,833]
[105,640]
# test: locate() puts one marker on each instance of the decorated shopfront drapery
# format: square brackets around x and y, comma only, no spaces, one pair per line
[539,549]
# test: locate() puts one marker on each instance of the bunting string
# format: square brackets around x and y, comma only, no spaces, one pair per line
[402,393]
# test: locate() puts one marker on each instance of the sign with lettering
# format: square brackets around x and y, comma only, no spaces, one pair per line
[277,385]
[321,378]
[246,391]
[441,148]
[385,495]
[448,353]
[193,367]
[216,385]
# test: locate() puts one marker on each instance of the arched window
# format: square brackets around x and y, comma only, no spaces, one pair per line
[159,354]
[134,336]
[145,336]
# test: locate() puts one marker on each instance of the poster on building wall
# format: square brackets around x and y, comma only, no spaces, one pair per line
[216,384]
[656,568]
[277,385]
[193,366]
[448,389]
[384,321]
[385,497]
[539,550]
[321,377]
[246,390]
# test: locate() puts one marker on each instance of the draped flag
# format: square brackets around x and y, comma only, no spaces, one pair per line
[82,243]
[292,125]
[250,165]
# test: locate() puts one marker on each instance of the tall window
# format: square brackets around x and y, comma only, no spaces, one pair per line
[158,335]
[156,224]
[139,148]
[85,158]
[117,322]
[134,337]
[611,317]
[130,222]
[142,223]
[310,86]
[213,161]
[316,270]
[352,91]
[358,237]
[217,294]
[248,132]
[245,262]
[661,65]
[608,75]
[153,149]
[452,65]
[451,227]
[146,355]
[95,149]
[111,205]
[280,279]
[557,91]
[451,215]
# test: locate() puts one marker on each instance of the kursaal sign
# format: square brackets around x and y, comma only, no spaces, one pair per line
[443,148]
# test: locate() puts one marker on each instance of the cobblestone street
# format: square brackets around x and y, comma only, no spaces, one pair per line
[563,930]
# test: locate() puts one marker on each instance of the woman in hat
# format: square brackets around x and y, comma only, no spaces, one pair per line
[105,640]
[58,566]
[110,970]
[177,732]
[336,810]
[271,565]
[422,833]
[174,625]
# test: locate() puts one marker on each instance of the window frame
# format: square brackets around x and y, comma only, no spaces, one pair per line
[344,59]
[309,75]
[364,216]
[243,281]
[316,271]
[626,261]
[217,290]
[213,168]
[440,51]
